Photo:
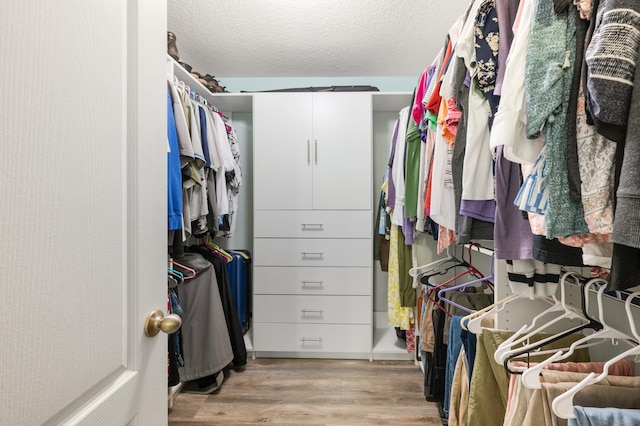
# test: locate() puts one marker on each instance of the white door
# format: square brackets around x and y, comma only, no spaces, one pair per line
[342,151]
[282,151]
[83,216]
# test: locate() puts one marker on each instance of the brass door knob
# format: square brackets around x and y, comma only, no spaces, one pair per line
[157,322]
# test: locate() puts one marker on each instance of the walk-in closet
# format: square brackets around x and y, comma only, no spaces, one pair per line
[368,213]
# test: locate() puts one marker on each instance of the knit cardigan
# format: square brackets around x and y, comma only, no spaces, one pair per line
[610,64]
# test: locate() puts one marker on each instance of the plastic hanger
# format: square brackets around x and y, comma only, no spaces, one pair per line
[506,351]
[562,405]
[186,268]
[531,376]
[463,286]
[209,244]
[591,324]
[557,306]
[175,277]
[430,290]
[433,266]
[470,270]
[472,321]
[425,277]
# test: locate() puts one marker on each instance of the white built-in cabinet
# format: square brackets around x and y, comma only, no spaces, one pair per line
[313,224]
[312,151]
[313,192]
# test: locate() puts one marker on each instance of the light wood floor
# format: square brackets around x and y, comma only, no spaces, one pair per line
[312,392]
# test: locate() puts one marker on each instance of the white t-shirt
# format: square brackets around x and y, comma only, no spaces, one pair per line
[477,176]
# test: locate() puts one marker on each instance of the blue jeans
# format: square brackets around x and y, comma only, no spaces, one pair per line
[453,351]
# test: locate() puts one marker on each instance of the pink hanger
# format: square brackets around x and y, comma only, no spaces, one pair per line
[186,268]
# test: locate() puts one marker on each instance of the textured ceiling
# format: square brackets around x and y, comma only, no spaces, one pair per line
[307,38]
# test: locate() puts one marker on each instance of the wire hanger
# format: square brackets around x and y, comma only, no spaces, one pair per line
[562,405]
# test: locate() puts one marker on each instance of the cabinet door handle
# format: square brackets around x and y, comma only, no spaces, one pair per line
[308,255]
[316,152]
[311,339]
[312,227]
[312,311]
[308,152]
[313,284]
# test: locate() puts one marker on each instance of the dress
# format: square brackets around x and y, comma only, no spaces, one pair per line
[398,316]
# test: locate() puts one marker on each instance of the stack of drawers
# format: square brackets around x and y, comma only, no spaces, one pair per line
[313,283]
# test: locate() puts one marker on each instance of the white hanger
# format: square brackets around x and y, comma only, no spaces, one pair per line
[562,405]
[507,348]
[433,266]
[473,321]
[531,376]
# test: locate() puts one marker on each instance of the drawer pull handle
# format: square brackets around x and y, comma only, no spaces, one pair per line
[311,339]
[312,284]
[313,311]
[310,255]
[312,226]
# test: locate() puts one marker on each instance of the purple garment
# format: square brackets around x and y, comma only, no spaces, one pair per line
[391,189]
[467,79]
[507,11]
[479,209]
[512,234]
[408,228]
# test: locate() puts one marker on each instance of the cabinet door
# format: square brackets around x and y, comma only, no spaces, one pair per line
[282,146]
[342,157]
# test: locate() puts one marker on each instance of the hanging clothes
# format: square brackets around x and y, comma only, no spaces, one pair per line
[399,316]
[206,343]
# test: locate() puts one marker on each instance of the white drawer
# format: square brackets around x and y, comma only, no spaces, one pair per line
[312,280]
[313,309]
[312,224]
[309,252]
[302,338]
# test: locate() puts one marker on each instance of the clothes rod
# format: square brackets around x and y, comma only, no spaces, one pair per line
[479,249]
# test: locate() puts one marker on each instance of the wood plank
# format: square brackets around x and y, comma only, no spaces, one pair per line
[313,392]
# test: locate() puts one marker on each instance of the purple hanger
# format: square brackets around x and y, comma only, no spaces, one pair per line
[462,286]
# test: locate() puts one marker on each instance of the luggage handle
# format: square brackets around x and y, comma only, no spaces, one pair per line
[312,311]
[312,227]
[312,255]
[313,339]
[314,283]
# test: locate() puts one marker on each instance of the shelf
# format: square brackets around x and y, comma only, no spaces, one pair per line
[225,102]
[387,346]
[390,101]
[243,102]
